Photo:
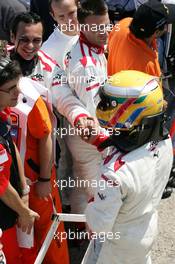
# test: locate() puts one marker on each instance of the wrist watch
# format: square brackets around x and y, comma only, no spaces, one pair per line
[26,190]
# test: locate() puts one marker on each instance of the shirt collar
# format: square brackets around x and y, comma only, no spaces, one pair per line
[93,47]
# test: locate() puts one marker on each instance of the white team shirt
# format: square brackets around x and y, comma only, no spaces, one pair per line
[58,44]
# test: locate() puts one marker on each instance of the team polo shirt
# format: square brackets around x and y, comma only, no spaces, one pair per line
[126,52]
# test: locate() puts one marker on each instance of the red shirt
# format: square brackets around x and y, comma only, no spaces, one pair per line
[5,163]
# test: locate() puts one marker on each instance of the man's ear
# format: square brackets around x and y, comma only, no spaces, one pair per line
[52,15]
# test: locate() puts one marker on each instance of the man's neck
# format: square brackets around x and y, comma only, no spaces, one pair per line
[89,43]
[27,66]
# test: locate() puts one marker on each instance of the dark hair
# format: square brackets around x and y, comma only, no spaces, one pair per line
[91,7]
[26,17]
[57,1]
[148,18]
[9,70]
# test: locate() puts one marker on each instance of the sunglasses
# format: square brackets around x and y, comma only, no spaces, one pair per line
[26,40]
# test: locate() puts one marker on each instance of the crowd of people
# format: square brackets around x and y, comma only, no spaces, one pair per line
[86,96]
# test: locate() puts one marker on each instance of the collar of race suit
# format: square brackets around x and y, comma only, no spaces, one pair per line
[93,47]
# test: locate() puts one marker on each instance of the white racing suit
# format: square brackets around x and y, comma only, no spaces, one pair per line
[57,46]
[86,70]
[49,74]
[50,46]
[126,209]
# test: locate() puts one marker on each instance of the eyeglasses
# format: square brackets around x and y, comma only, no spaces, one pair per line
[9,90]
[26,40]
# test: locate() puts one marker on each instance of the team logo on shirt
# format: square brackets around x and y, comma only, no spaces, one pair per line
[38,77]
[90,79]
[67,58]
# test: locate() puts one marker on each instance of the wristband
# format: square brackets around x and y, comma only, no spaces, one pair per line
[26,190]
[40,179]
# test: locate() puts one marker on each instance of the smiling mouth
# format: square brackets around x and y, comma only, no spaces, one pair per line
[28,52]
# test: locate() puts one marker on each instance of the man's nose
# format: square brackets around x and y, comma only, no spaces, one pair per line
[30,44]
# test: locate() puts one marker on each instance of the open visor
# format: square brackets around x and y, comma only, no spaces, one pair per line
[104,101]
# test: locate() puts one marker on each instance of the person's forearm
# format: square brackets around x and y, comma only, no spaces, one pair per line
[45,154]
[20,169]
[26,217]
[13,200]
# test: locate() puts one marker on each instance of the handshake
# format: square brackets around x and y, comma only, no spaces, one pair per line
[88,128]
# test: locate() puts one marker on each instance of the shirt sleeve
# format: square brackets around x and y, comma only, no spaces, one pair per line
[64,100]
[39,123]
[85,81]
[77,96]
[4,169]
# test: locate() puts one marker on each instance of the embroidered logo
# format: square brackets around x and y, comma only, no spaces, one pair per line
[90,79]
[101,196]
